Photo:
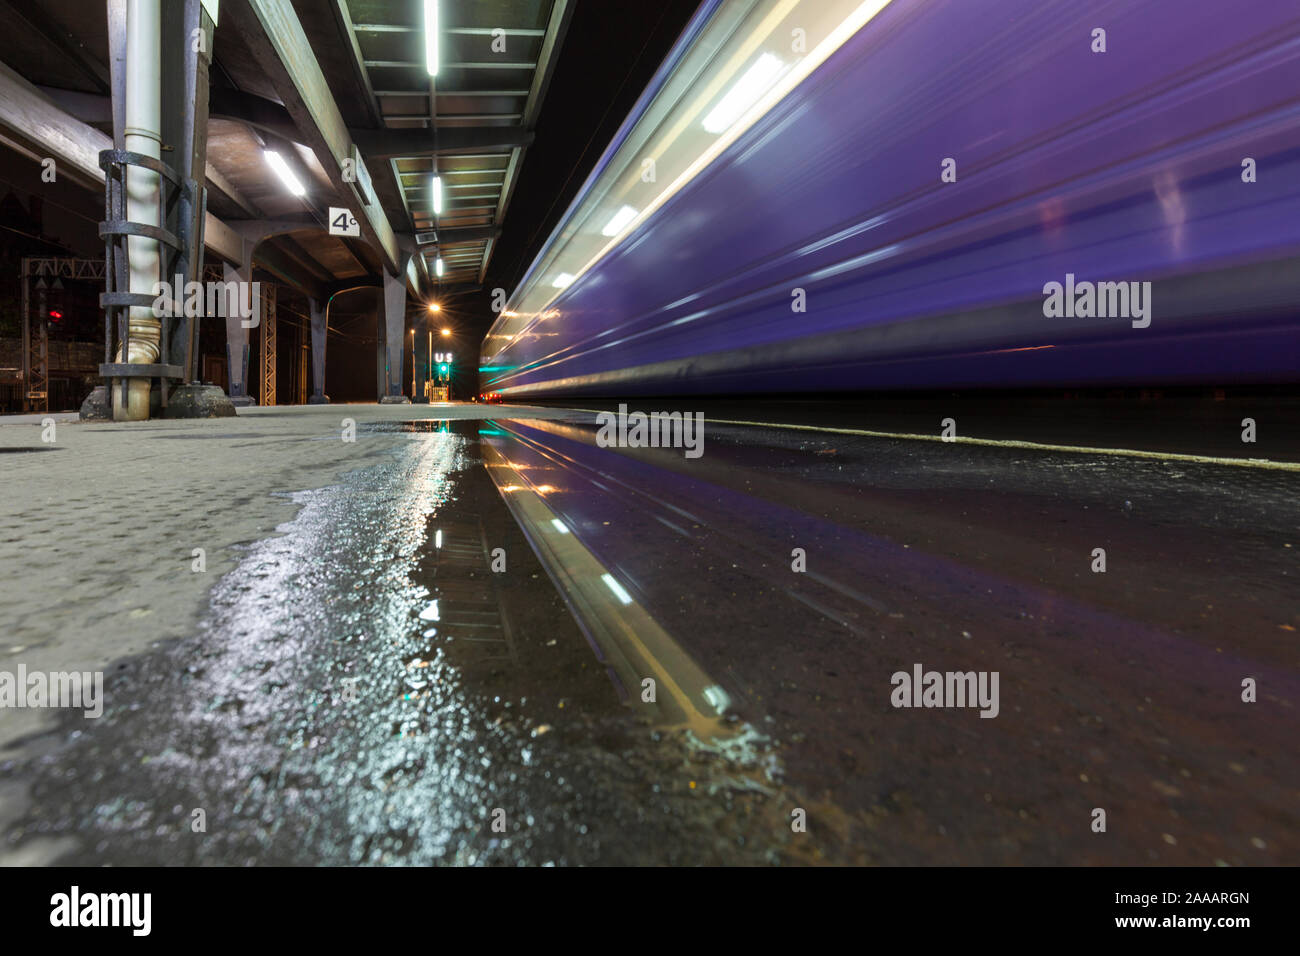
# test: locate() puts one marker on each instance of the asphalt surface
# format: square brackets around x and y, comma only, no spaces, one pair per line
[363,686]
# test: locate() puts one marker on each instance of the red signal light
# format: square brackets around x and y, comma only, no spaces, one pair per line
[55,314]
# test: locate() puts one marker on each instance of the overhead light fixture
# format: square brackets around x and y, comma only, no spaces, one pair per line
[431,36]
[563,281]
[437,195]
[434,307]
[284,172]
[620,219]
[446,332]
[755,81]
[438,267]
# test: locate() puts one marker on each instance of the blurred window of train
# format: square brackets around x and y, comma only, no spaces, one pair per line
[748,57]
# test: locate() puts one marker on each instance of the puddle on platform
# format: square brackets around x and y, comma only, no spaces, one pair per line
[367,689]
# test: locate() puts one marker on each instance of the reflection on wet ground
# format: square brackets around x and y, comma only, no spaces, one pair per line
[507,645]
[1120,690]
[367,690]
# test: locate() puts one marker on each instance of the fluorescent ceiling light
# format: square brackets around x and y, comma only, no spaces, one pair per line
[562,281]
[438,267]
[752,84]
[284,172]
[431,36]
[437,195]
[559,526]
[620,219]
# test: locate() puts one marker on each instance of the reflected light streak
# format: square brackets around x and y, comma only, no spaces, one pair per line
[617,588]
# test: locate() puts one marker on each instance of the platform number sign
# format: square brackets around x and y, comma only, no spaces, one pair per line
[343,223]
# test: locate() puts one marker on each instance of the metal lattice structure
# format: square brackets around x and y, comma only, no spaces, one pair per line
[64,268]
[304,372]
[36,364]
[269,343]
[36,348]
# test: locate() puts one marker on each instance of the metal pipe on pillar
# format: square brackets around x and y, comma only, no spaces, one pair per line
[143,134]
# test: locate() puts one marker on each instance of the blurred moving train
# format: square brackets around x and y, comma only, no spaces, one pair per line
[839,195]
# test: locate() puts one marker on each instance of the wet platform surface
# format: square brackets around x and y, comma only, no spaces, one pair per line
[458,633]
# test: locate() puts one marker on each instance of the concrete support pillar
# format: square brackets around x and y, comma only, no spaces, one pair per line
[319,325]
[237,333]
[394,327]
